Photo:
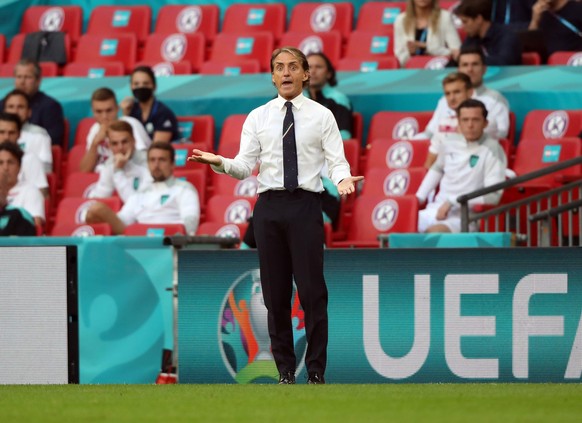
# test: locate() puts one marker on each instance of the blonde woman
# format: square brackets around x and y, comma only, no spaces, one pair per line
[424,29]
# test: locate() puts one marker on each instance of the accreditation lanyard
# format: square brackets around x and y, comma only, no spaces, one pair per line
[568,24]
[507,11]
[423,35]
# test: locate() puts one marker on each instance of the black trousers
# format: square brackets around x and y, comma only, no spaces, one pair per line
[289,233]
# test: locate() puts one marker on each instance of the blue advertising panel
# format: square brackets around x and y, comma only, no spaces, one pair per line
[405,315]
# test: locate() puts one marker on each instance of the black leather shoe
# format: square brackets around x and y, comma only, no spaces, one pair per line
[287,378]
[315,378]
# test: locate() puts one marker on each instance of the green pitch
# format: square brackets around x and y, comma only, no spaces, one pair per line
[300,403]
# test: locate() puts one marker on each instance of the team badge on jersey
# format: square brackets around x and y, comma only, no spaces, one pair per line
[405,129]
[237,212]
[174,47]
[473,160]
[188,20]
[52,19]
[399,155]
[311,44]
[397,182]
[323,18]
[556,124]
[164,199]
[384,215]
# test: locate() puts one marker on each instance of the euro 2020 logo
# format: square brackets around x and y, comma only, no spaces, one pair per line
[243,335]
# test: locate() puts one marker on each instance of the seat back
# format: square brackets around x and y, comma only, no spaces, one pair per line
[233,47]
[174,48]
[393,182]
[80,184]
[369,45]
[74,209]
[329,43]
[230,67]
[67,19]
[379,16]
[551,124]
[397,154]
[252,18]
[367,65]
[198,129]
[198,178]
[427,62]
[229,209]
[397,125]
[185,19]
[230,135]
[227,185]
[319,17]
[80,229]
[568,58]
[112,21]
[97,49]
[163,69]
[99,70]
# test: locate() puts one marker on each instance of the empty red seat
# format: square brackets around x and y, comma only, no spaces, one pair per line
[569,58]
[80,229]
[112,21]
[551,124]
[67,19]
[230,67]
[368,65]
[531,58]
[329,43]
[80,184]
[99,70]
[187,19]
[97,49]
[197,177]
[232,47]
[322,17]
[229,209]
[175,48]
[199,129]
[397,125]
[427,62]
[230,133]
[379,16]
[397,154]
[154,229]
[369,45]
[245,18]
[393,182]
[227,185]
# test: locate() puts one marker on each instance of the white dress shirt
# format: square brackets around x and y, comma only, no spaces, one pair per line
[35,140]
[318,141]
[32,171]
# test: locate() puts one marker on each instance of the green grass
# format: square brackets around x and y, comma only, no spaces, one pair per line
[499,403]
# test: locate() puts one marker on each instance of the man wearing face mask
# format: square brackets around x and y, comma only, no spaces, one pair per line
[158,120]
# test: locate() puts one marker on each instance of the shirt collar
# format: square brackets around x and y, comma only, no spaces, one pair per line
[297,101]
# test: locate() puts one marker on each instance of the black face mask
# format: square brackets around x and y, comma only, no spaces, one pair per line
[143,94]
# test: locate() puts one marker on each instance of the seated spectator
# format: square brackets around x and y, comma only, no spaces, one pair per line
[424,29]
[158,120]
[472,63]
[322,82]
[560,22]
[16,194]
[31,169]
[465,164]
[499,43]
[46,111]
[105,111]
[166,200]
[516,13]
[33,139]
[126,169]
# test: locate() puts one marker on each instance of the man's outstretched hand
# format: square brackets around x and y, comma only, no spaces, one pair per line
[205,157]
[347,185]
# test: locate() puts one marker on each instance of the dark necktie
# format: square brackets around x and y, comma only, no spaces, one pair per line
[289,150]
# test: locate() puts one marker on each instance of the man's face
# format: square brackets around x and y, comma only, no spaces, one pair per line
[121,142]
[105,111]
[9,131]
[472,123]
[160,164]
[456,92]
[25,79]
[472,26]
[472,66]
[9,169]
[18,105]
[288,75]
[318,72]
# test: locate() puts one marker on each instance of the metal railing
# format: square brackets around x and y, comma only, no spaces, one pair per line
[515,216]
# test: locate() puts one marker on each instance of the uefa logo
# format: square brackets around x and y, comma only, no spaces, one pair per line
[437,63]
[247,187]
[174,47]
[84,231]
[228,231]
[575,60]
[52,19]
[311,45]
[163,69]
[556,124]
[399,155]
[189,19]
[87,192]
[81,212]
[385,215]
[243,332]
[323,18]
[405,129]
[238,211]
[397,182]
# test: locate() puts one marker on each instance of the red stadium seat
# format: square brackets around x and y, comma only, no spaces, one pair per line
[175,48]
[198,178]
[568,58]
[369,45]
[375,215]
[397,125]
[154,229]
[81,229]
[329,43]
[67,19]
[232,47]
[229,209]
[397,154]
[74,210]
[227,185]
[393,182]
[252,18]
[352,153]
[74,157]
[367,65]
[2,47]
[427,62]
[199,129]
[357,126]
[82,131]
[186,19]
[80,184]
[17,43]
[379,16]
[319,17]
[230,135]
[183,150]
[162,69]
[112,21]
[57,154]
[223,230]
[230,67]
[100,70]
[551,124]
[531,58]
[96,49]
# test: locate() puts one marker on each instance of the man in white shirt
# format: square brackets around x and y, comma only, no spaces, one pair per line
[126,170]
[31,170]
[105,111]
[33,139]
[287,216]
[166,200]
[19,194]
[466,164]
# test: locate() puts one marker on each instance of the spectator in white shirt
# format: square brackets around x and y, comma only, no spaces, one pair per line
[126,170]
[33,139]
[166,200]
[105,111]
